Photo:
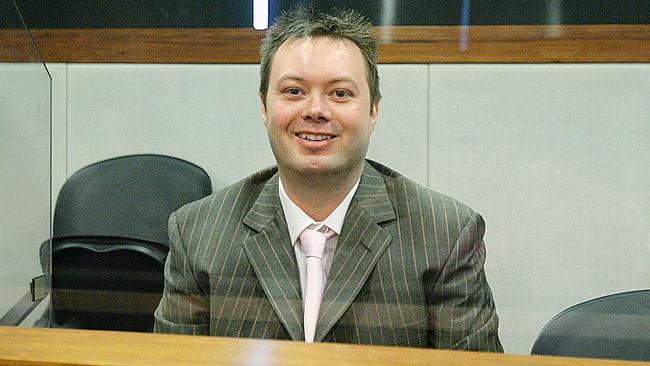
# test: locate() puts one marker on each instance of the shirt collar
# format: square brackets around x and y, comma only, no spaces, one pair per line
[298,220]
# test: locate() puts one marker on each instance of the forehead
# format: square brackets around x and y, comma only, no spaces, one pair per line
[320,53]
[318,41]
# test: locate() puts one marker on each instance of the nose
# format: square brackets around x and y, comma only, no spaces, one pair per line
[316,109]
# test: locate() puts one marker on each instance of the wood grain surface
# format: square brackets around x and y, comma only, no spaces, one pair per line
[403,44]
[38,346]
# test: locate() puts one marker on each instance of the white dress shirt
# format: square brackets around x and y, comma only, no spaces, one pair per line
[298,221]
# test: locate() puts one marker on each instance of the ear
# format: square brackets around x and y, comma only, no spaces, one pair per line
[265,116]
[374,114]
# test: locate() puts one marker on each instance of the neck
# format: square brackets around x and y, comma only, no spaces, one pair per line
[318,195]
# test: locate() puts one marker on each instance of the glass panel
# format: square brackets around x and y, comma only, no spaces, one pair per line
[554,156]
[25,130]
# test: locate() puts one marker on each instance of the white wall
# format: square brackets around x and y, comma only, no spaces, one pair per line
[211,115]
[555,157]
[24,176]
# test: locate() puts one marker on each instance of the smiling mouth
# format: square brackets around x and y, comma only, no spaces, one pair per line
[314,137]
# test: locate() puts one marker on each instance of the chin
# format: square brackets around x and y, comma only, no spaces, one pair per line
[315,166]
[316,169]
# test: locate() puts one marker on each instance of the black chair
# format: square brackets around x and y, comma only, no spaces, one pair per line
[613,327]
[110,239]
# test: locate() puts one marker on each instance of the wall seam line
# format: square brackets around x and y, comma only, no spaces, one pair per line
[428,144]
[67,102]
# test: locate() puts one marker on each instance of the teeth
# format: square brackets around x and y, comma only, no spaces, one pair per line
[311,137]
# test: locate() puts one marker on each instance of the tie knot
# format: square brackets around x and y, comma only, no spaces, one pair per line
[313,242]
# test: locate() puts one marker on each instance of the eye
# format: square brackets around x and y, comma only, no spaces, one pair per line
[294,92]
[341,93]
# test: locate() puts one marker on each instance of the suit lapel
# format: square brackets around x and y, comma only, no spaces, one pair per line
[273,259]
[360,246]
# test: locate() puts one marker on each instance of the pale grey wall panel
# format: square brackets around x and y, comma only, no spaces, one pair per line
[207,114]
[400,138]
[24,177]
[210,115]
[556,157]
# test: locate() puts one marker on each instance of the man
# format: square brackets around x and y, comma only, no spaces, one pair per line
[396,263]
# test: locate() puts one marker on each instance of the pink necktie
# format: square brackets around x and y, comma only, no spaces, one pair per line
[313,244]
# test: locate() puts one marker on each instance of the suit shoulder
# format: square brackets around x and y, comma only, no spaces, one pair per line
[231,195]
[418,197]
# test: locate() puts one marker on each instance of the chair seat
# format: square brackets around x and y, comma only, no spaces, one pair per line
[106,283]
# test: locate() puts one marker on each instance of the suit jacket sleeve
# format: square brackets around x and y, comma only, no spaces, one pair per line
[461,309]
[184,308]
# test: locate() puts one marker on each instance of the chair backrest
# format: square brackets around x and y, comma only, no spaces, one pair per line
[613,327]
[129,197]
[110,239]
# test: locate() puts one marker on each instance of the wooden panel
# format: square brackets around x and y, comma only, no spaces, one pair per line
[516,44]
[436,44]
[16,46]
[224,45]
[31,346]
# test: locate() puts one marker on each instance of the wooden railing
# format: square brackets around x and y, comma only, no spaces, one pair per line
[403,44]
[31,346]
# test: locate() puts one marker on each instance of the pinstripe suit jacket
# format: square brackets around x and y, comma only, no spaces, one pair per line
[408,268]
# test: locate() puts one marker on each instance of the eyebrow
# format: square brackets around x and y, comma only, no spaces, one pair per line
[291,77]
[343,80]
[333,81]
[346,80]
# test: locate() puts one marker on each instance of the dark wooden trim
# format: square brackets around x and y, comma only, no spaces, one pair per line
[216,45]
[516,44]
[436,44]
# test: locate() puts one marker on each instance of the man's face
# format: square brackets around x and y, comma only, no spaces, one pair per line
[318,113]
